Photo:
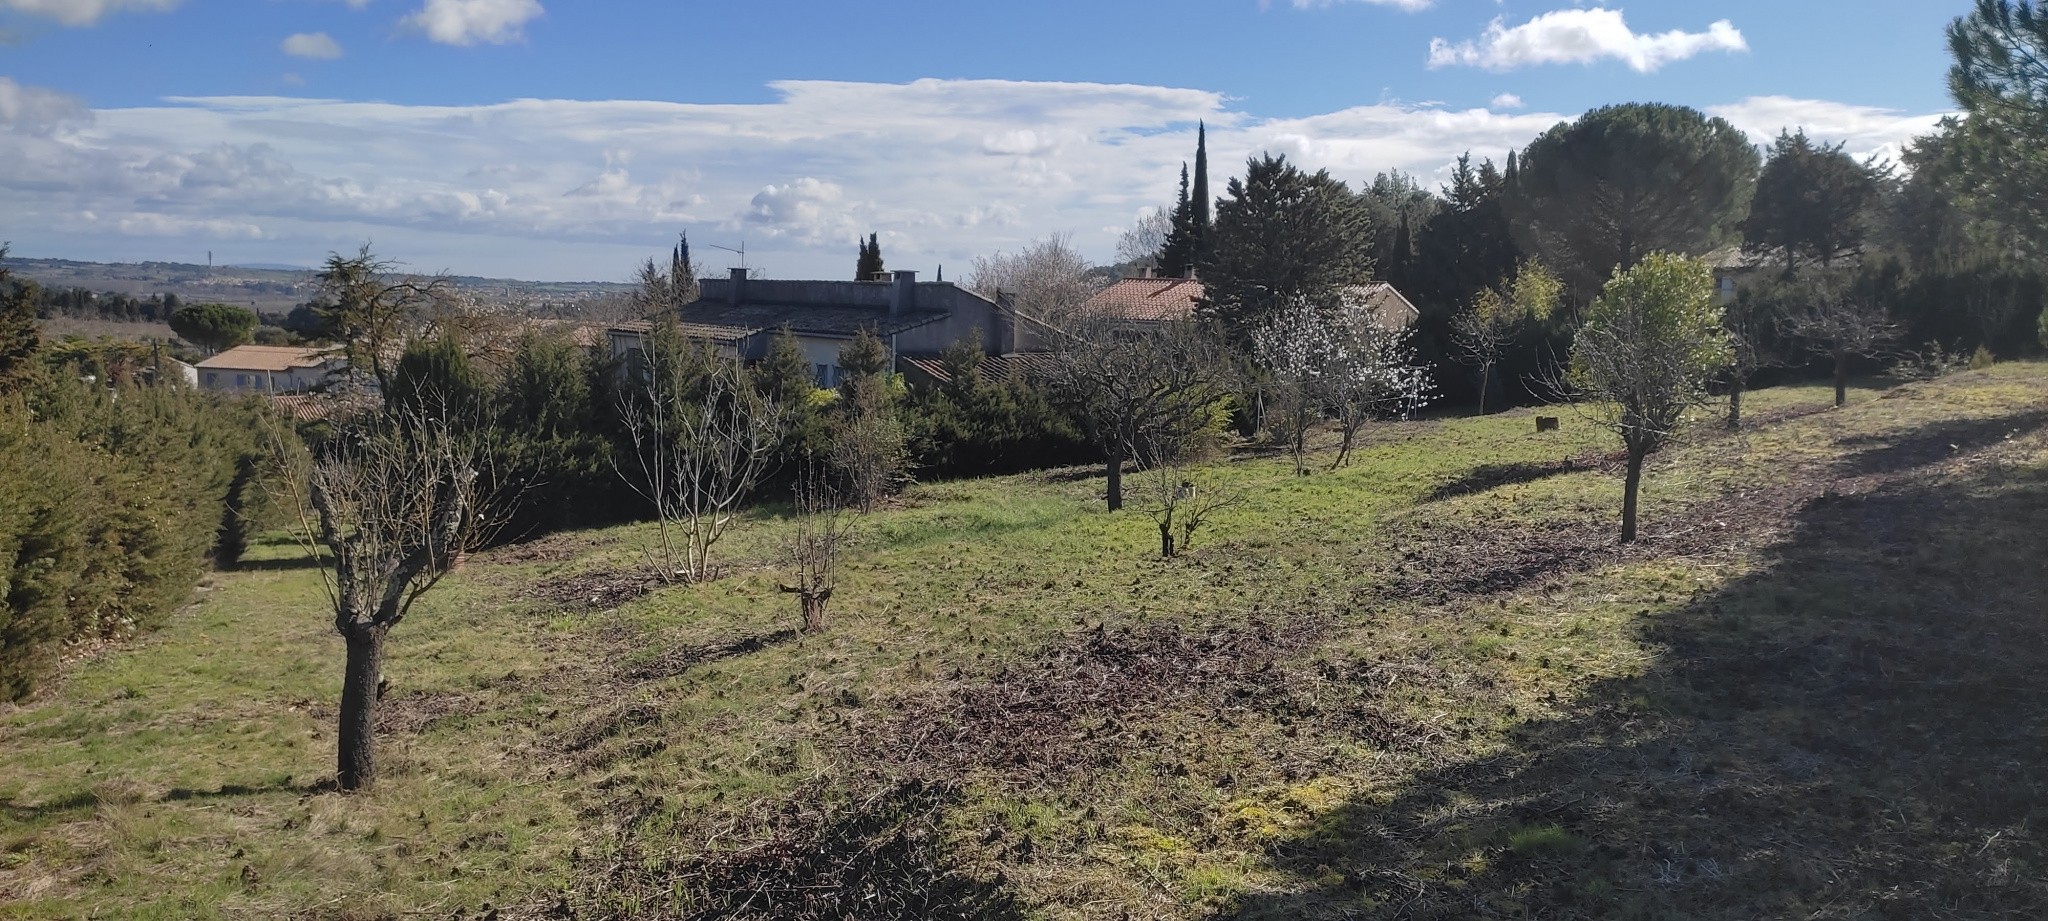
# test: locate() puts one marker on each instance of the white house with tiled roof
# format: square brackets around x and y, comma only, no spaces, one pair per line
[271,369]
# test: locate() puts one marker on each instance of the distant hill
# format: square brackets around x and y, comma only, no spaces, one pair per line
[277,288]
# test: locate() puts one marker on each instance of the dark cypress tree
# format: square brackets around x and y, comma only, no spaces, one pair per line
[870,264]
[1200,217]
[1177,254]
[1396,269]
[682,273]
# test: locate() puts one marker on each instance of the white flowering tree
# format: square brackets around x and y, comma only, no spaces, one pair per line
[1340,364]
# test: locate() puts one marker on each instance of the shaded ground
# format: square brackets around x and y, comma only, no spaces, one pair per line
[1854,729]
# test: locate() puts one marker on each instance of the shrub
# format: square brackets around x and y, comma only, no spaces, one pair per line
[110,503]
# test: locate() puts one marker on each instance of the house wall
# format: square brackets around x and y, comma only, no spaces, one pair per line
[242,380]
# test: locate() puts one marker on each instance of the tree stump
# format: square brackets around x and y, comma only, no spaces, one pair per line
[1546,424]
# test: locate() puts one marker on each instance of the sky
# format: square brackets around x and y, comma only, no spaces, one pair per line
[546,140]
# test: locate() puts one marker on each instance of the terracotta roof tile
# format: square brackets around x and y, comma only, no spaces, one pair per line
[1147,299]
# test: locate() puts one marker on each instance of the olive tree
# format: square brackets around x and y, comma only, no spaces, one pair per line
[1651,345]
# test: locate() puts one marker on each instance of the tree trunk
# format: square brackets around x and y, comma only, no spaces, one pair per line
[1841,378]
[1735,404]
[814,610]
[1485,380]
[1166,538]
[1115,468]
[356,761]
[1630,487]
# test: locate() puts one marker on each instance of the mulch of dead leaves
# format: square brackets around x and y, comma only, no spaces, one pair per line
[596,591]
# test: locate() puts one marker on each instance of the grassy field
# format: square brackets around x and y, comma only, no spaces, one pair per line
[1429,685]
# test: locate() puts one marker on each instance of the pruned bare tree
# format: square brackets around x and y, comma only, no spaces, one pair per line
[815,546]
[1137,387]
[700,439]
[1842,324]
[1047,280]
[1181,503]
[1752,346]
[394,498]
[1650,345]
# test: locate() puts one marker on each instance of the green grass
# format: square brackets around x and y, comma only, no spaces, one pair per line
[1786,702]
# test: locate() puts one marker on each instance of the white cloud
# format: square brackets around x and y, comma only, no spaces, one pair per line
[585,189]
[1507,101]
[82,12]
[1581,36]
[1862,130]
[312,45]
[38,112]
[468,22]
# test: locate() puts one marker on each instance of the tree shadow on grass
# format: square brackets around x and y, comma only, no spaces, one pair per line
[1494,476]
[88,800]
[1894,453]
[279,564]
[1859,729]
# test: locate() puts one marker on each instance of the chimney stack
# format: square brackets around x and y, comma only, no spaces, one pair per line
[736,293]
[903,298]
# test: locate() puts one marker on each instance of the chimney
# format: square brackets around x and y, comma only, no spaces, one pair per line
[903,298]
[736,293]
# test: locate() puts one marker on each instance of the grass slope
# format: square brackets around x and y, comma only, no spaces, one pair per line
[1428,685]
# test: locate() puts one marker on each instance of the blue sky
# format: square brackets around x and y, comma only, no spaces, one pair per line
[536,138]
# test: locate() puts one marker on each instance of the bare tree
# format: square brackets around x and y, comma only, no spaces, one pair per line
[1137,386]
[1841,324]
[1047,280]
[815,546]
[1140,243]
[1182,503]
[1650,345]
[395,498]
[1484,332]
[701,439]
[375,310]
[1752,347]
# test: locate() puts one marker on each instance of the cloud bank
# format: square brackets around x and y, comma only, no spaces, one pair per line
[943,170]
